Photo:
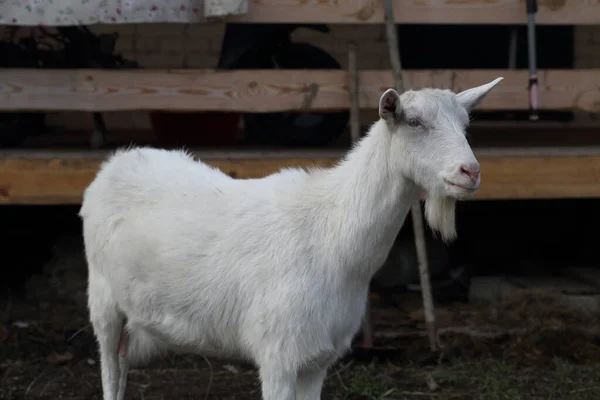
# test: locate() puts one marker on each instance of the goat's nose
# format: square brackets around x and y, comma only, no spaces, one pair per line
[470,170]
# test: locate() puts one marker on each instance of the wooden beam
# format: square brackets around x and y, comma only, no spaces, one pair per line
[61,177]
[551,12]
[272,91]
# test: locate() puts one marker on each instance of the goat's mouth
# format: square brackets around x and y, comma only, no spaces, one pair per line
[469,189]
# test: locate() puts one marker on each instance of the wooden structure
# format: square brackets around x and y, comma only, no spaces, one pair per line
[273,91]
[59,177]
[555,12]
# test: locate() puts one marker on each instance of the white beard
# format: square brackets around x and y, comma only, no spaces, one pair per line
[440,215]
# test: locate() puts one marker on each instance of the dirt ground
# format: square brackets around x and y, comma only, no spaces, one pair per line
[531,347]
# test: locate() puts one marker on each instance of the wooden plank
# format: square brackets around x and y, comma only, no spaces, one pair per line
[551,12]
[271,91]
[61,178]
[539,177]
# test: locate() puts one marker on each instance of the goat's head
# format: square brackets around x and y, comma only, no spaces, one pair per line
[429,146]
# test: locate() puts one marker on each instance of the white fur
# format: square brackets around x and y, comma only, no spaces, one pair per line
[273,270]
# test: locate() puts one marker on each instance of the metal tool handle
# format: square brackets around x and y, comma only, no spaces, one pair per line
[531,46]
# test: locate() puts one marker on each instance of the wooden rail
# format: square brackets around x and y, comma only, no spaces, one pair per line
[551,12]
[272,91]
[42,177]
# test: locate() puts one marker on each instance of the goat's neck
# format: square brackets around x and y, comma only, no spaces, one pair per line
[371,201]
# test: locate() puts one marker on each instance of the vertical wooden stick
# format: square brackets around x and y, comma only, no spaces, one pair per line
[353,85]
[98,138]
[418,228]
[428,306]
[393,48]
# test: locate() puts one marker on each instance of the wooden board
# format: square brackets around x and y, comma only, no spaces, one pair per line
[61,177]
[555,12]
[270,91]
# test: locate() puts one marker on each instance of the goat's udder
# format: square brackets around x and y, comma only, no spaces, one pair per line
[440,215]
[124,343]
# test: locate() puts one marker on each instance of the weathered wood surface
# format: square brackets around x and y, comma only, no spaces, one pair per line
[61,177]
[557,12]
[271,91]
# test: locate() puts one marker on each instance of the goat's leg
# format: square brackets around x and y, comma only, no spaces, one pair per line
[310,384]
[123,363]
[108,330]
[277,383]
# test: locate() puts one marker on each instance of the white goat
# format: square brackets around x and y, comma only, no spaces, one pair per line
[276,270]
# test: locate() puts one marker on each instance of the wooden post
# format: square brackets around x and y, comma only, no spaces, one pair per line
[353,84]
[98,138]
[418,228]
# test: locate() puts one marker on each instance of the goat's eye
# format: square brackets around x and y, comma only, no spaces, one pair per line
[414,122]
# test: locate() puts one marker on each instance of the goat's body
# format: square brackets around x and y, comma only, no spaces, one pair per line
[214,265]
[273,270]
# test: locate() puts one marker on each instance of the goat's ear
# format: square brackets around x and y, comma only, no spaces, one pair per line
[390,108]
[470,98]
